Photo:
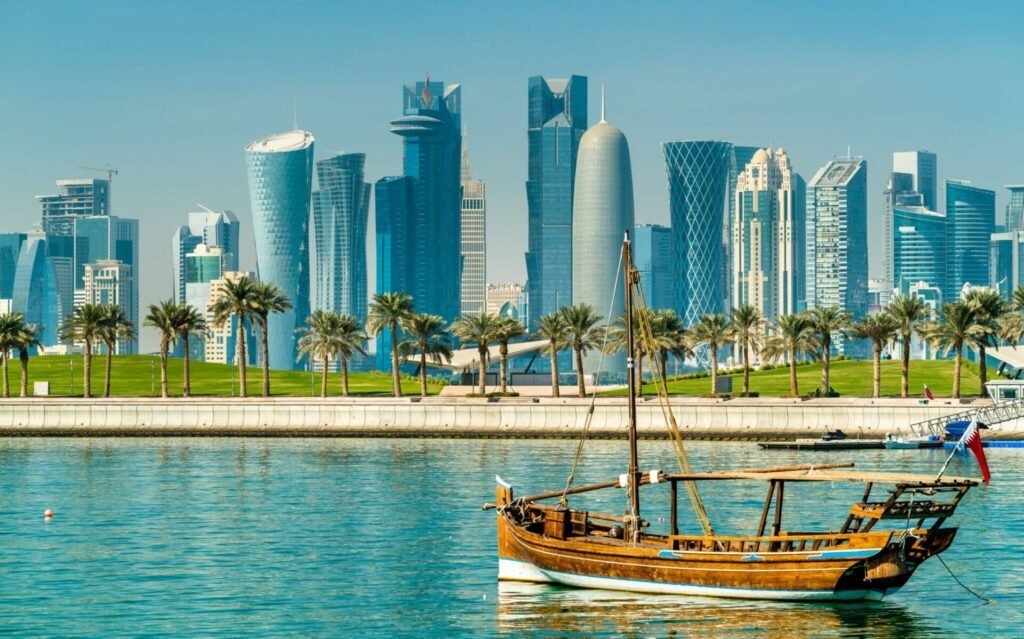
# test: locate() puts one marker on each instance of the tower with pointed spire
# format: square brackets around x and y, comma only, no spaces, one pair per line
[474,238]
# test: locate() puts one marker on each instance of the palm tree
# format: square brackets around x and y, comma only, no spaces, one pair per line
[713,331]
[957,324]
[746,323]
[481,330]
[508,330]
[908,311]
[350,339]
[116,327]
[236,301]
[616,336]
[584,335]
[881,329]
[164,318]
[11,326]
[319,341]
[826,322]
[267,299]
[670,338]
[794,339]
[990,307]
[387,312]
[1017,298]
[189,321]
[553,328]
[27,339]
[428,338]
[85,325]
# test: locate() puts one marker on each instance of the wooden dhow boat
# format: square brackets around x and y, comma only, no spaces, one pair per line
[860,560]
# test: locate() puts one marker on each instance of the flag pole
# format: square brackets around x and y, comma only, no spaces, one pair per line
[963,438]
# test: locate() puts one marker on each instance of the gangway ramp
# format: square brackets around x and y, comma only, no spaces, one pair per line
[997,413]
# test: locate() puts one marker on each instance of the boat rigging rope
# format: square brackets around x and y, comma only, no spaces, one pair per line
[593,398]
[962,584]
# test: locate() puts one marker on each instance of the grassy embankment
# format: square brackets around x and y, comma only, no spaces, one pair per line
[139,375]
[850,378]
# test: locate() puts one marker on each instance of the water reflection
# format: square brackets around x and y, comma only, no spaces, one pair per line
[536,610]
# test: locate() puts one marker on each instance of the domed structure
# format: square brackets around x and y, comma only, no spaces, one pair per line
[602,212]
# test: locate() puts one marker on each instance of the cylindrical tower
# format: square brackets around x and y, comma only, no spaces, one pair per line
[602,211]
[280,171]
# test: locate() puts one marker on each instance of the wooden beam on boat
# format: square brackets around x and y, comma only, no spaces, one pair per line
[817,474]
[764,511]
[786,469]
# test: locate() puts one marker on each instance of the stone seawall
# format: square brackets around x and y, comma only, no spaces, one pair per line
[449,417]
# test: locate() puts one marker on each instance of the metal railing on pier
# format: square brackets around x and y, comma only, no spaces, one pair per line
[999,412]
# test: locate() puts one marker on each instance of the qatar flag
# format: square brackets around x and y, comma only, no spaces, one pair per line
[972,439]
[928,393]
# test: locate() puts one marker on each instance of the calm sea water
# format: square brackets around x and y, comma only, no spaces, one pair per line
[385,538]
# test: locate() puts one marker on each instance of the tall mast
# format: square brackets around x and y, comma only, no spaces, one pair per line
[634,471]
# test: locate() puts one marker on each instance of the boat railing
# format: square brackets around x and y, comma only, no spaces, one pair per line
[768,543]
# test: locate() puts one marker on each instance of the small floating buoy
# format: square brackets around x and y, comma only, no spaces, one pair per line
[48,514]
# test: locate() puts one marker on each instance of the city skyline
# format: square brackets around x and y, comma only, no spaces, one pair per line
[200,140]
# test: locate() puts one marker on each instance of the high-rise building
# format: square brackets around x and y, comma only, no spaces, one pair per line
[557,120]
[34,291]
[837,251]
[474,239]
[504,299]
[602,214]
[1006,263]
[899,187]
[80,197]
[203,265]
[698,178]
[341,211]
[280,169]
[220,345]
[922,167]
[111,282]
[212,228]
[1015,208]
[971,217]
[419,245]
[652,251]
[10,249]
[766,236]
[919,243]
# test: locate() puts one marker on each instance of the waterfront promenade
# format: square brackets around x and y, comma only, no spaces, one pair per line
[698,418]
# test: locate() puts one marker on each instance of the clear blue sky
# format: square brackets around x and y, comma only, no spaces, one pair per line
[170,93]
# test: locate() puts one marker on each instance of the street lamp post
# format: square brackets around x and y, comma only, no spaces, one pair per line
[71,379]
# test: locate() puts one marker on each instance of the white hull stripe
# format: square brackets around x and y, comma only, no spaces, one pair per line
[515,570]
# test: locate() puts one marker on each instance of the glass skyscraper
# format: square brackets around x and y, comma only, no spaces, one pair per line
[837,236]
[212,228]
[280,170]
[34,292]
[474,239]
[920,249]
[10,248]
[698,178]
[424,214]
[1007,261]
[75,198]
[557,120]
[341,210]
[602,214]
[922,167]
[1015,208]
[971,215]
[652,250]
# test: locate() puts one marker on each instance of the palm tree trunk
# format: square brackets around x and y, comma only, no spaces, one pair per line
[746,368]
[87,370]
[714,368]
[7,384]
[107,364]
[265,345]
[423,373]
[23,354]
[554,370]
[323,376]
[163,370]
[663,365]
[344,376]
[982,369]
[580,386]
[877,371]
[905,373]
[826,361]
[186,390]
[241,356]
[503,366]
[482,381]
[794,389]
[957,361]
[396,384]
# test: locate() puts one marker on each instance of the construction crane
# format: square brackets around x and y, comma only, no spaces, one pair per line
[111,172]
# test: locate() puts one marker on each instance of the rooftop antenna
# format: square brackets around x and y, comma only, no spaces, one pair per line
[602,102]
[849,152]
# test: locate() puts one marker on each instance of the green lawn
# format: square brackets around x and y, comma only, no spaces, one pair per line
[139,375]
[850,378]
